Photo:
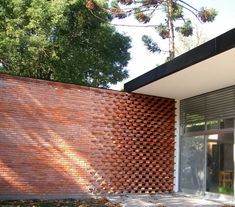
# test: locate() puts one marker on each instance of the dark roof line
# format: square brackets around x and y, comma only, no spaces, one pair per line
[207,50]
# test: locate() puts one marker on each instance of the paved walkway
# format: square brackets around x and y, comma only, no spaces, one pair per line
[168,200]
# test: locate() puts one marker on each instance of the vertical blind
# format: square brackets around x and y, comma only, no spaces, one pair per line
[212,105]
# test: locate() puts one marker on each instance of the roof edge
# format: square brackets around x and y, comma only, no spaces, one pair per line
[205,51]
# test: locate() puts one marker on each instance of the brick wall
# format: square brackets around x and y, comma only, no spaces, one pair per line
[61,140]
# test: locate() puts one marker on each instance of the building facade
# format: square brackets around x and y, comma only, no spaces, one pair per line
[172,130]
[202,81]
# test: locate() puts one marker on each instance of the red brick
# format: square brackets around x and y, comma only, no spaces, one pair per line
[58,138]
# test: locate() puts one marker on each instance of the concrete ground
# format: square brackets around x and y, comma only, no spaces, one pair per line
[168,200]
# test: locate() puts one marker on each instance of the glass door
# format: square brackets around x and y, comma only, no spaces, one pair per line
[207,158]
[192,175]
[220,163]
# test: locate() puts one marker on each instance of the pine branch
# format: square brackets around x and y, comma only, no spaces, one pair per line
[129,11]
[121,25]
[151,14]
[190,11]
[131,25]
[188,5]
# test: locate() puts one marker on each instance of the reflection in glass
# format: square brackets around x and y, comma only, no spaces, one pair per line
[192,163]
[227,123]
[195,127]
[212,124]
[220,167]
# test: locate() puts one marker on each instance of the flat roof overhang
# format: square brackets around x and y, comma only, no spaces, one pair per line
[208,67]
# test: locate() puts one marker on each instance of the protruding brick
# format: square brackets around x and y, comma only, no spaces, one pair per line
[61,138]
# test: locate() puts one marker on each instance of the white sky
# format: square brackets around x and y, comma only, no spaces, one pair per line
[142,60]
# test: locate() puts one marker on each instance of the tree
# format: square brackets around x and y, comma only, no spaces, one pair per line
[174,11]
[184,44]
[61,40]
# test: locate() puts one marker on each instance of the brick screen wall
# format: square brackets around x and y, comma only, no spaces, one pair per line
[61,140]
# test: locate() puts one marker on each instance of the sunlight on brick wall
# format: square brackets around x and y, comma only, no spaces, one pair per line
[64,139]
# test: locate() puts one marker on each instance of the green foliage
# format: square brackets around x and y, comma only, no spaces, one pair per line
[116,11]
[207,15]
[177,11]
[141,17]
[126,2]
[150,44]
[61,40]
[186,30]
[225,190]
[114,4]
[163,31]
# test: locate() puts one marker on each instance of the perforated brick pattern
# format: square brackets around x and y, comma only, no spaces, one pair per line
[60,139]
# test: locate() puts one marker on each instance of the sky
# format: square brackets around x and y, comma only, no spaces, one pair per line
[142,60]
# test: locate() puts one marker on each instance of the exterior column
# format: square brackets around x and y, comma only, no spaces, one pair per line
[177,146]
[233,158]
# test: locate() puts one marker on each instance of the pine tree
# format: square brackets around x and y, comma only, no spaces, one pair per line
[174,10]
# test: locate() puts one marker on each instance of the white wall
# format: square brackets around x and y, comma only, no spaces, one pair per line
[177,146]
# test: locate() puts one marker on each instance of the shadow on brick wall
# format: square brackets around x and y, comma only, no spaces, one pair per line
[65,140]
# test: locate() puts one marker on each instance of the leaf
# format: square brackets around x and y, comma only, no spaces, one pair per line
[126,2]
[170,13]
[150,44]
[207,15]
[186,30]
[69,41]
[163,31]
[141,17]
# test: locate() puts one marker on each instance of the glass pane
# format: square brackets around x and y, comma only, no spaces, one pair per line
[212,124]
[192,164]
[220,166]
[195,127]
[226,123]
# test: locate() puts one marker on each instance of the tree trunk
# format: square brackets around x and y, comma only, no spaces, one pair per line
[171,30]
